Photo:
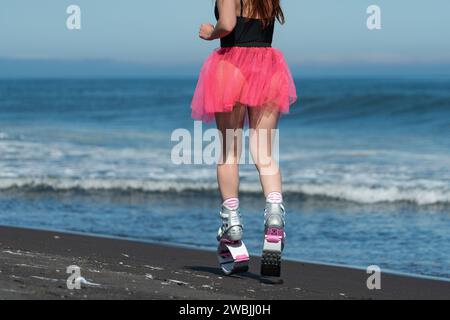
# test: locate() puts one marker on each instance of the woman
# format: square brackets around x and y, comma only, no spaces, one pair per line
[246,77]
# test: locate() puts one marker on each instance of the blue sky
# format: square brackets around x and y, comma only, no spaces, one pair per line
[318,35]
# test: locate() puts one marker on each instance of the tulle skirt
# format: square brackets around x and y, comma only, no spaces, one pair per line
[251,76]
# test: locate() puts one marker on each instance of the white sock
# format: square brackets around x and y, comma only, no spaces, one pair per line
[275,198]
[231,203]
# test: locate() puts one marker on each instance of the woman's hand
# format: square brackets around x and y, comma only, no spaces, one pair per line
[206,30]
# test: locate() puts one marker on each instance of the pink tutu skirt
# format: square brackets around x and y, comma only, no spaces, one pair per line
[254,77]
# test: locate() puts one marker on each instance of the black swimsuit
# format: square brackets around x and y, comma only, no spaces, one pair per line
[248,32]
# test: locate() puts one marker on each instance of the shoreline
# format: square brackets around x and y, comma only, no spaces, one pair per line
[206,249]
[34,266]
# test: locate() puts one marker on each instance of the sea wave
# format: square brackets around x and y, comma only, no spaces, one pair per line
[418,194]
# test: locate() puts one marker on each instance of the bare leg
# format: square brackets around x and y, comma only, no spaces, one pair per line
[263,122]
[230,125]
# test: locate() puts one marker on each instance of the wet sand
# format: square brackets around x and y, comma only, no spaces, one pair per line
[33,266]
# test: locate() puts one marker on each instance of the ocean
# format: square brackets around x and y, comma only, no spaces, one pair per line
[366,166]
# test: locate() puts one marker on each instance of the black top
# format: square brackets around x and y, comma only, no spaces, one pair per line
[248,32]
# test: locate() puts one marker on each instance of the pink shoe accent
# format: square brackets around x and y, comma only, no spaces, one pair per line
[242,258]
[274,235]
[273,239]
[275,232]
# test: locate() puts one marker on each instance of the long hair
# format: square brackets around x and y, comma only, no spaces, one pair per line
[266,10]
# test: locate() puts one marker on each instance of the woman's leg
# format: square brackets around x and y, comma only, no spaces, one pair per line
[263,123]
[230,125]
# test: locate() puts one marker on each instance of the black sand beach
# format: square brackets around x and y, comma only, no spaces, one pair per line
[33,266]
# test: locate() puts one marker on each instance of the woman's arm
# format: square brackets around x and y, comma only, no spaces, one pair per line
[226,23]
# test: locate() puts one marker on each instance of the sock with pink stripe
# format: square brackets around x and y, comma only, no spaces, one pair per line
[231,203]
[275,198]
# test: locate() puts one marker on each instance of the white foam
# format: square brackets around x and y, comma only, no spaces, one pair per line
[419,192]
[375,176]
[371,195]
